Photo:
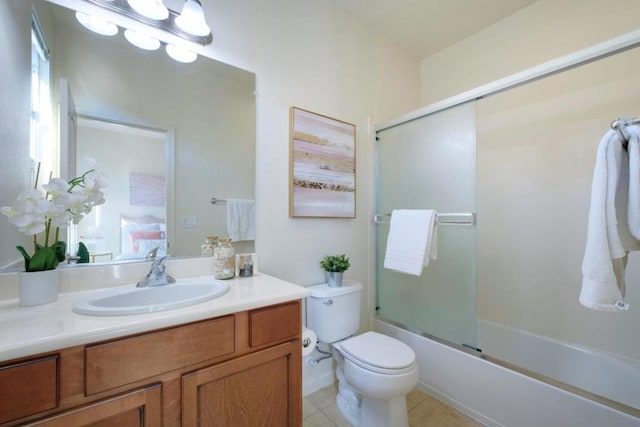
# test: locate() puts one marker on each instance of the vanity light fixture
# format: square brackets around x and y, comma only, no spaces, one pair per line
[97,25]
[152,9]
[141,40]
[168,24]
[191,19]
[189,25]
[180,54]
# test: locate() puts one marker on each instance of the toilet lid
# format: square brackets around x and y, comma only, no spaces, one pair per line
[379,351]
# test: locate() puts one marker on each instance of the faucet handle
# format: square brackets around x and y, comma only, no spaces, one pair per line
[152,253]
[157,263]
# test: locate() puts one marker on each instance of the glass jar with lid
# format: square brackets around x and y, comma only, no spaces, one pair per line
[209,246]
[225,259]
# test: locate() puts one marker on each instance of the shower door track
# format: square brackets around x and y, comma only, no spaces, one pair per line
[557,65]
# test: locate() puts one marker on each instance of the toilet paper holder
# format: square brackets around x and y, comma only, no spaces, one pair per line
[308,341]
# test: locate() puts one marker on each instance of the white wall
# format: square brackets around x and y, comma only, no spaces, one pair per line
[15,111]
[311,55]
[545,30]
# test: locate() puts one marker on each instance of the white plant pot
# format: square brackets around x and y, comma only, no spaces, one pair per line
[38,287]
[334,279]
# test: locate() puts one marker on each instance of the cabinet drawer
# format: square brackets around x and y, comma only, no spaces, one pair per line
[140,408]
[125,361]
[28,387]
[274,324]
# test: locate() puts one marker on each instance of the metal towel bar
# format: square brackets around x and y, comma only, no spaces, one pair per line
[619,124]
[458,218]
[216,201]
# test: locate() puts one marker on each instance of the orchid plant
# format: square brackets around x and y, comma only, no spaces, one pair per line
[62,202]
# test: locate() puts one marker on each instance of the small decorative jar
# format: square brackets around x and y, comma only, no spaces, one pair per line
[244,264]
[225,259]
[209,246]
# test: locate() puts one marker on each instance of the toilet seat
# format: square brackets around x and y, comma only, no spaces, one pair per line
[379,353]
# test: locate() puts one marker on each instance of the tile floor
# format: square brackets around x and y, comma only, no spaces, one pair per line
[319,410]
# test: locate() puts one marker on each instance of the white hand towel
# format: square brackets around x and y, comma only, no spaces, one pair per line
[633,211]
[412,241]
[241,219]
[608,237]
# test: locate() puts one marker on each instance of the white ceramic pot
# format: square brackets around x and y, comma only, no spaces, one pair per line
[38,287]
[334,279]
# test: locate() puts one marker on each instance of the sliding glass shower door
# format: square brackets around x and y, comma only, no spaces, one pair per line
[430,163]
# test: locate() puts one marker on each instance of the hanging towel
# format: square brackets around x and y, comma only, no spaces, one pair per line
[633,211]
[608,237]
[412,241]
[241,219]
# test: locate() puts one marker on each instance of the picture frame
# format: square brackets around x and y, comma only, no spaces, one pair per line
[322,166]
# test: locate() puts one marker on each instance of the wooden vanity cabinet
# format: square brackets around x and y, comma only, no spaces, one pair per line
[243,369]
[258,389]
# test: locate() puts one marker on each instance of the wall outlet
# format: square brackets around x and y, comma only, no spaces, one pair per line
[188,221]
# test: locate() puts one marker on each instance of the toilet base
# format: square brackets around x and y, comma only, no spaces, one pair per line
[374,412]
[349,409]
[384,413]
[359,410]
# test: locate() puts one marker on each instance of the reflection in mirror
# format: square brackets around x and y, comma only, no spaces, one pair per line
[208,105]
[133,223]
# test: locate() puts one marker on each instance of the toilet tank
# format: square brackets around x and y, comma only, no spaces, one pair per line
[334,313]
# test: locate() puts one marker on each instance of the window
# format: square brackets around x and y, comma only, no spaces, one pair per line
[42,147]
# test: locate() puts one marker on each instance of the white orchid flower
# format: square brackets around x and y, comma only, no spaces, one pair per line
[64,201]
[56,187]
[96,179]
[29,212]
[35,212]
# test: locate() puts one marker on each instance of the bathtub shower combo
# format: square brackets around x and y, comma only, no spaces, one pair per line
[495,320]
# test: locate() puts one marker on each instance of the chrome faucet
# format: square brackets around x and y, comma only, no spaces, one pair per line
[156,276]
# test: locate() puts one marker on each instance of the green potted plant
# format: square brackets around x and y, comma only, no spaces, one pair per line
[334,266]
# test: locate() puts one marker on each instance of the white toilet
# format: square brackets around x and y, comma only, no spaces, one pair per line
[375,371]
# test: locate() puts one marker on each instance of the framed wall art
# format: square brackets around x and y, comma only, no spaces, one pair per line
[322,166]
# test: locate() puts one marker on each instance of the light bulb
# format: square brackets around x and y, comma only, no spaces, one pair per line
[180,54]
[141,40]
[153,9]
[191,19]
[97,25]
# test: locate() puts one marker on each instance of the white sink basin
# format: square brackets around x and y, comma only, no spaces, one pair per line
[148,300]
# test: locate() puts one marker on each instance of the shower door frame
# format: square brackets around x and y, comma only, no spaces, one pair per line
[576,59]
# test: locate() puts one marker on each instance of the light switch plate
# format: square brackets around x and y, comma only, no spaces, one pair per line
[190,221]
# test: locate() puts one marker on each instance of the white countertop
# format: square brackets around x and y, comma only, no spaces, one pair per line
[26,331]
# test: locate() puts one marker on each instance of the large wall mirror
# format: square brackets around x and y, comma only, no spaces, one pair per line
[169,136]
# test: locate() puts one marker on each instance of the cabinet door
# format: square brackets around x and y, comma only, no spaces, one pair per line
[259,389]
[136,409]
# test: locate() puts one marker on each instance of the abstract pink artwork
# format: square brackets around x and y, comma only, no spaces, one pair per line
[146,189]
[322,166]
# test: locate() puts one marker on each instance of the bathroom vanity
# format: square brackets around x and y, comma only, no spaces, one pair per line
[235,360]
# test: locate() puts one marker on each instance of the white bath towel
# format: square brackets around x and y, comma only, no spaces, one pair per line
[633,211]
[412,241]
[608,237]
[241,219]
